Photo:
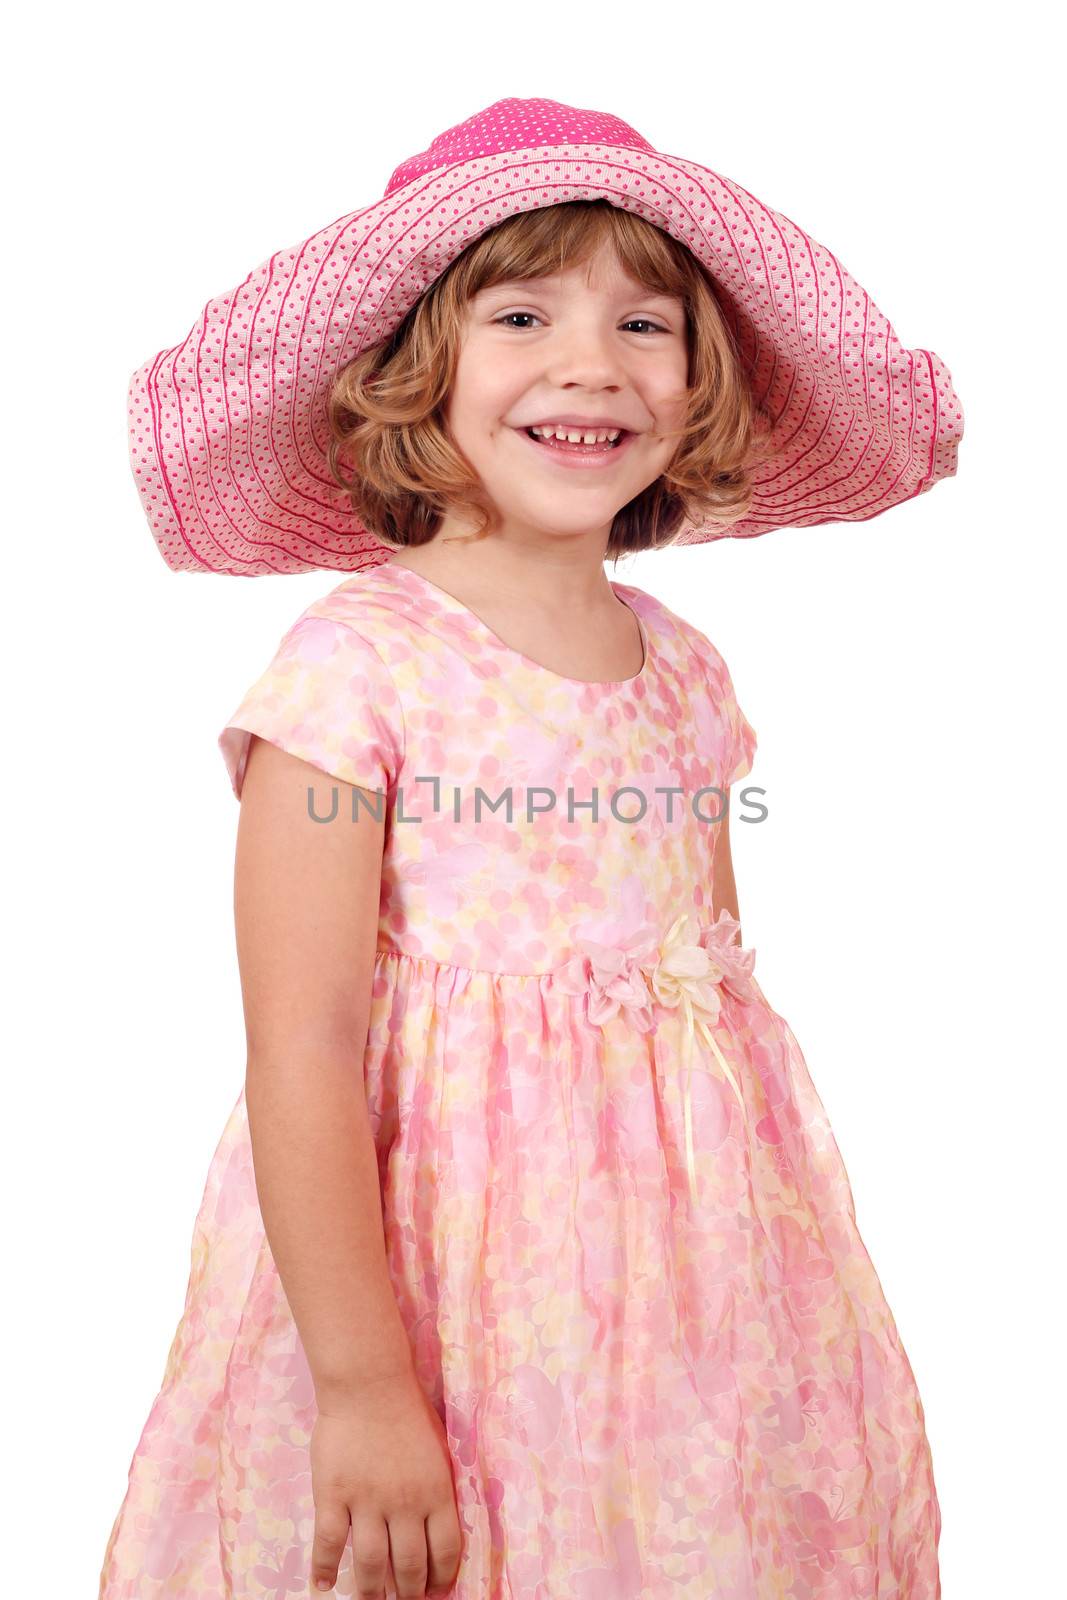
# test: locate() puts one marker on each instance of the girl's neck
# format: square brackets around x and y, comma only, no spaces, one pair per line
[565,581]
[555,609]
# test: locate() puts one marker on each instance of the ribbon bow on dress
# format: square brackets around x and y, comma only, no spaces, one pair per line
[688,970]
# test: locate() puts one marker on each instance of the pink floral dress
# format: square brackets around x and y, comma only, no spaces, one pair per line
[618,1225]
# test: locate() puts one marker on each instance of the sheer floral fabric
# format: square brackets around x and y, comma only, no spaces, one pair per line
[617,1222]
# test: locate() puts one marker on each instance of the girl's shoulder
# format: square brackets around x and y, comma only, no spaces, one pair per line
[370,603]
[692,645]
[328,694]
[703,671]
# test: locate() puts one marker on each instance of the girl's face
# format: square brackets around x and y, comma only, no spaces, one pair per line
[589,344]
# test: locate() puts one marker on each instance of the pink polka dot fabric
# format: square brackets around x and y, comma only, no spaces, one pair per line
[228,429]
[624,1248]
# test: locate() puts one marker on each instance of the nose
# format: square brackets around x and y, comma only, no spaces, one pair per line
[586,358]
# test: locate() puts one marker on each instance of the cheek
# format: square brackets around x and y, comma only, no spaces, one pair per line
[670,413]
[673,395]
[480,406]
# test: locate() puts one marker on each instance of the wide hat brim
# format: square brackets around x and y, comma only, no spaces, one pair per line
[228,430]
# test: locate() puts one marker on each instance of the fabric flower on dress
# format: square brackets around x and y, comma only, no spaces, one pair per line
[687,970]
[734,964]
[684,970]
[687,975]
[612,978]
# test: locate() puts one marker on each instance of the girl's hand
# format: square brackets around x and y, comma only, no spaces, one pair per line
[379,1459]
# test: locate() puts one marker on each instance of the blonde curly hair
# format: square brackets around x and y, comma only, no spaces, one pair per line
[386,407]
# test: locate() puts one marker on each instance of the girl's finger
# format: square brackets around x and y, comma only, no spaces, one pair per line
[407,1555]
[331,1534]
[444,1544]
[370,1556]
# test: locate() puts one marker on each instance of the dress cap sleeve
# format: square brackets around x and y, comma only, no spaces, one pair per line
[742,740]
[328,697]
[733,735]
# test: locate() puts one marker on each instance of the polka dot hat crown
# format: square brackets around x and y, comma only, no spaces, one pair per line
[228,430]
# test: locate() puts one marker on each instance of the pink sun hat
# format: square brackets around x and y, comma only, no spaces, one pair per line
[228,430]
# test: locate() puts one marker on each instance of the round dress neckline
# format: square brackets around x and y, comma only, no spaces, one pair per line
[461,609]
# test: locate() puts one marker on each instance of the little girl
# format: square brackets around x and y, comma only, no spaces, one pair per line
[527,1267]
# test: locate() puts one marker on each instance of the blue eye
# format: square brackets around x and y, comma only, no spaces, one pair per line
[634,321]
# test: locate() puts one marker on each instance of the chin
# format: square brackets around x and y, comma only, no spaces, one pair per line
[542,514]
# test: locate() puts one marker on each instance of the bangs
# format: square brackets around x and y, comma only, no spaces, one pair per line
[557,239]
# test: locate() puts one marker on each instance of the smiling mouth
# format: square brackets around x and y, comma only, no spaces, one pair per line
[605,447]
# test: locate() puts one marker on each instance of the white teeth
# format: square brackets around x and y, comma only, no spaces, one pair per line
[572,436]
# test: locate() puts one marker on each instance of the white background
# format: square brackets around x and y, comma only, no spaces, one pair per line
[904,896]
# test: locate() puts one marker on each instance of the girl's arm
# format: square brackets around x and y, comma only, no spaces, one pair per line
[306,903]
[723,887]
[307,900]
